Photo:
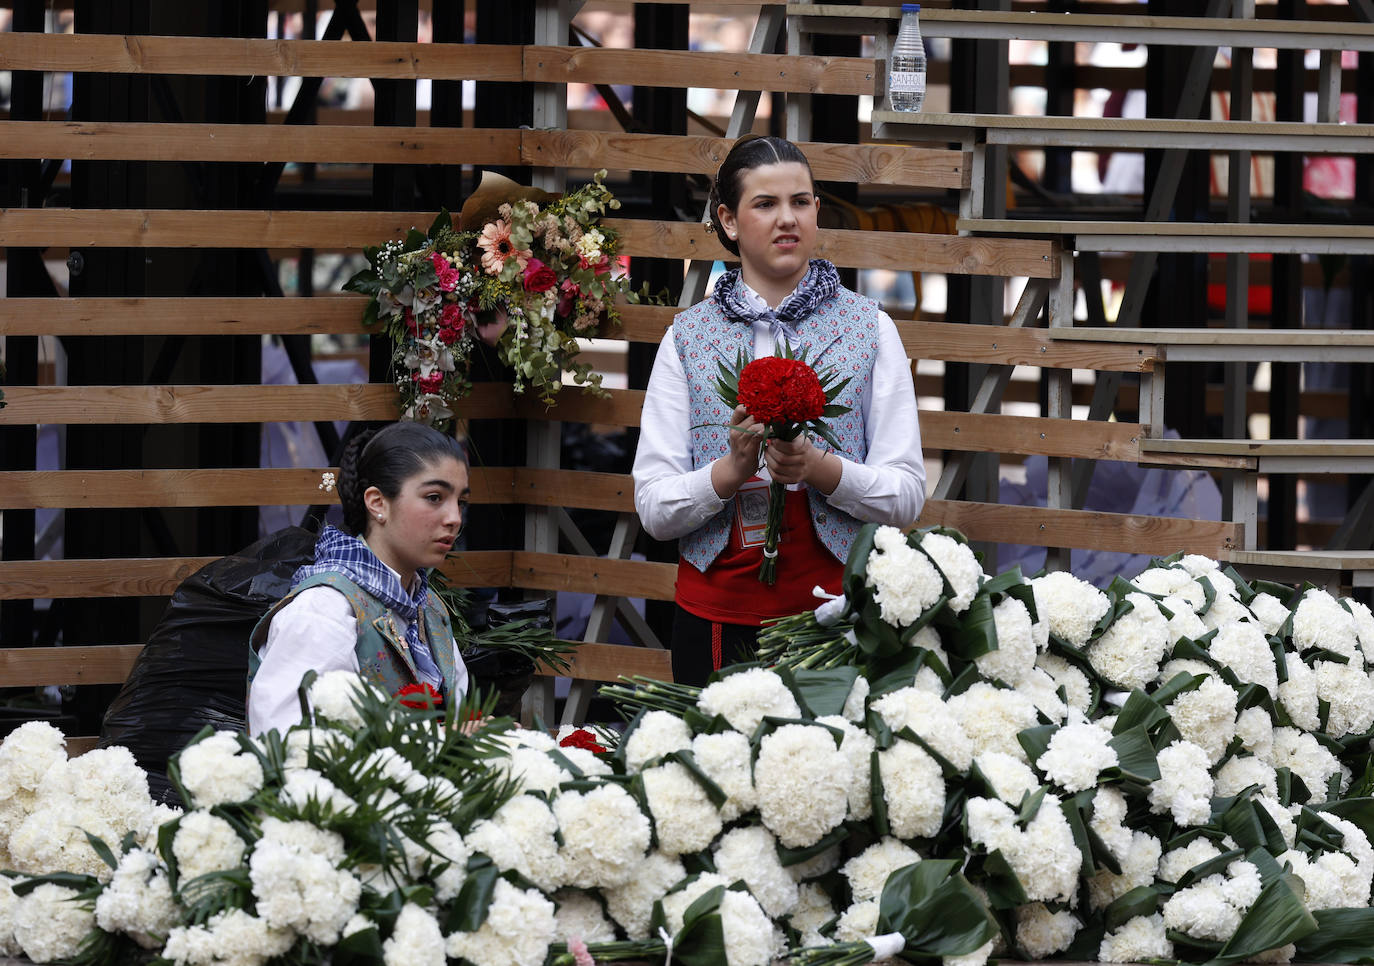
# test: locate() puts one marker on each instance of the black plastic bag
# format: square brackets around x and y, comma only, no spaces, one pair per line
[193,671]
[508,673]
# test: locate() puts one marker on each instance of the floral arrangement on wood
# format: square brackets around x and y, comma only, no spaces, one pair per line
[526,271]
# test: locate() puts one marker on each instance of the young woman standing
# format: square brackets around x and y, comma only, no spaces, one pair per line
[705,484]
[364,605]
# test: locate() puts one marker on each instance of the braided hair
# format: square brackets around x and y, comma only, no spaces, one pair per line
[750,152]
[386,458]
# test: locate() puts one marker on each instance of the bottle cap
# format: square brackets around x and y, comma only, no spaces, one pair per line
[911,8]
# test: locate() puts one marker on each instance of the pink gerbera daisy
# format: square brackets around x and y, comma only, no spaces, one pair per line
[497,248]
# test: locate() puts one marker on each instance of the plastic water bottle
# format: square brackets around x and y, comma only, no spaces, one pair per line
[906,80]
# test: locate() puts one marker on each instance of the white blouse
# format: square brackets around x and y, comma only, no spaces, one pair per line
[317,631]
[887,487]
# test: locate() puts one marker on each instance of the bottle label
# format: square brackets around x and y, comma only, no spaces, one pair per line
[907,81]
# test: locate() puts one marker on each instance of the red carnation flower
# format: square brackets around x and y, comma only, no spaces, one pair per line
[776,389]
[539,277]
[420,696]
[582,738]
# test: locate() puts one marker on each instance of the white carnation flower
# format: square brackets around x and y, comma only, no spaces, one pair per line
[415,941]
[1138,863]
[217,771]
[1129,652]
[1282,817]
[1015,654]
[232,938]
[858,922]
[9,904]
[1364,625]
[1242,647]
[857,747]
[818,865]
[1349,692]
[993,717]
[447,862]
[1077,689]
[802,781]
[926,715]
[1206,716]
[867,872]
[1162,581]
[1077,753]
[745,698]
[297,883]
[905,582]
[1226,607]
[676,904]
[813,911]
[1184,786]
[205,843]
[1255,728]
[658,733]
[1011,778]
[960,567]
[50,923]
[750,854]
[857,700]
[519,927]
[138,900]
[580,916]
[751,939]
[1043,691]
[1211,908]
[1301,754]
[1320,621]
[1177,862]
[976,958]
[534,769]
[1041,933]
[26,754]
[335,695]
[1072,606]
[725,758]
[929,638]
[1298,694]
[632,903]
[1138,940]
[1198,564]
[605,836]
[520,837]
[304,786]
[1108,821]
[1184,622]
[1044,855]
[1270,612]
[684,818]
[913,789]
[1241,772]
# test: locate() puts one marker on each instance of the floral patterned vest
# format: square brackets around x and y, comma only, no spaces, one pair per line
[841,335]
[383,655]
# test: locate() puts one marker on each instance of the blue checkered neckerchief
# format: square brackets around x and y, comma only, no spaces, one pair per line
[337,552]
[819,284]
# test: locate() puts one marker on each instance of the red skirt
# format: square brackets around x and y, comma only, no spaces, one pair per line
[730,592]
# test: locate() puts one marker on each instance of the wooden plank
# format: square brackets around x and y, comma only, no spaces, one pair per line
[1339,338]
[75,748]
[112,405]
[861,163]
[173,228]
[1026,435]
[100,141]
[478,568]
[1214,229]
[341,230]
[607,662]
[325,314]
[121,577]
[31,667]
[899,251]
[579,489]
[1004,345]
[249,57]
[1306,448]
[54,489]
[1123,532]
[1304,559]
[682,68]
[593,575]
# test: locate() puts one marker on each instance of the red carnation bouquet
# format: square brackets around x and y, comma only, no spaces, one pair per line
[789,397]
